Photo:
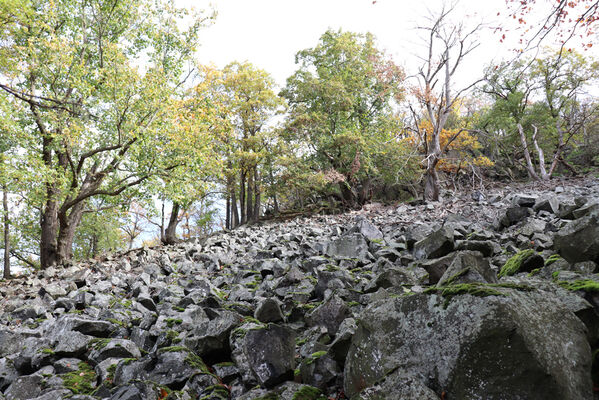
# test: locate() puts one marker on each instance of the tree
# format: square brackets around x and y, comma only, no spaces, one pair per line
[242,100]
[341,110]
[447,45]
[90,110]
[539,102]
[567,18]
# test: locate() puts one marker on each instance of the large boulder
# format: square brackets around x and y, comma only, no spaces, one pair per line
[579,239]
[523,345]
[437,244]
[265,354]
[349,246]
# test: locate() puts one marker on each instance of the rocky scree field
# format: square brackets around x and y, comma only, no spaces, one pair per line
[484,296]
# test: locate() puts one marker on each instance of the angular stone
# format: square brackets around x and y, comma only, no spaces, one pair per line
[367,229]
[513,215]
[8,373]
[476,347]
[329,314]
[25,388]
[269,310]
[435,245]
[468,267]
[117,348]
[270,353]
[524,200]
[348,246]
[579,239]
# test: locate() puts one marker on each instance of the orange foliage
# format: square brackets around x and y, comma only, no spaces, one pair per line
[460,153]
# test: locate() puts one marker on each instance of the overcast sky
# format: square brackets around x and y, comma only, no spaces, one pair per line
[268,33]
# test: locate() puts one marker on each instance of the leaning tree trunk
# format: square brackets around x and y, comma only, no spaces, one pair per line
[170,234]
[6,233]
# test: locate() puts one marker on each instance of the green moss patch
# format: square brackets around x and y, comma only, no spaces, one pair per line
[308,393]
[553,258]
[475,289]
[586,285]
[82,381]
[514,264]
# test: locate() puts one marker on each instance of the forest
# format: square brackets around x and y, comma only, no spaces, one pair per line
[112,135]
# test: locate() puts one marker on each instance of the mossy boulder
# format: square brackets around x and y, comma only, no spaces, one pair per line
[522,343]
[523,261]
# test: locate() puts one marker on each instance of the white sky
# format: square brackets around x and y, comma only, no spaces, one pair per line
[268,33]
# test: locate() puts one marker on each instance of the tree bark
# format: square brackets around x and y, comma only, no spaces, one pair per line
[162,234]
[250,196]
[67,226]
[48,239]
[228,209]
[431,185]
[257,194]
[529,166]
[170,236]
[234,211]
[242,197]
[6,273]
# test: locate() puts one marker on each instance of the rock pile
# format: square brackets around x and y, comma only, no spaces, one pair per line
[463,299]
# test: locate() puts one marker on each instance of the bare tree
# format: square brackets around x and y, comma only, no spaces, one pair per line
[447,45]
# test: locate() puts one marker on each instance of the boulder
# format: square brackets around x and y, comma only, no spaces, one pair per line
[270,353]
[524,344]
[579,239]
[435,245]
[467,267]
[329,314]
[269,310]
[367,229]
[348,246]
[513,215]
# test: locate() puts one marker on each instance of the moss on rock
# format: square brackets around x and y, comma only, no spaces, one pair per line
[82,381]
[308,393]
[514,264]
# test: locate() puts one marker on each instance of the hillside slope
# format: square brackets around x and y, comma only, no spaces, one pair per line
[478,297]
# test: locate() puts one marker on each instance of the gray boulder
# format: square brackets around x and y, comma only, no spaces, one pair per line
[435,245]
[467,267]
[367,229]
[269,310]
[270,353]
[579,239]
[329,314]
[348,246]
[524,344]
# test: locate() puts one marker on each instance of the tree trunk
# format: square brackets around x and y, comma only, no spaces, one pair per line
[68,224]
[431,185]
[162,234]
[170,236]
[6,274]
[228,209]
[529,166]
[242,198]
[234,211]
[349,199]
[94,246]
[364,195]
[250,196]
[257,194]
[48,239]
